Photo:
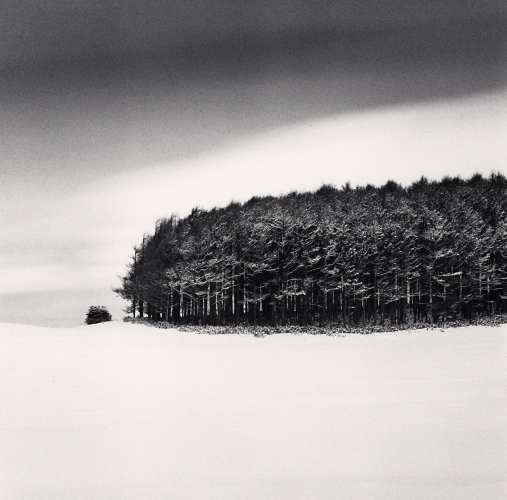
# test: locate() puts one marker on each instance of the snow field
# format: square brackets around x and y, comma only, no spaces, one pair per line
[123,411]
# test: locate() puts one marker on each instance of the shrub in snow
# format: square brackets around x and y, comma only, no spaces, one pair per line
[97,314]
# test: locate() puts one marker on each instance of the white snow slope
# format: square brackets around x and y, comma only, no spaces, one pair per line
[122,411]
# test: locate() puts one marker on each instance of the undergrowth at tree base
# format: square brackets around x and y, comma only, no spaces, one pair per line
[330,329]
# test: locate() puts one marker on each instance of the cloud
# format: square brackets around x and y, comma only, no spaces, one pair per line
[61,277]
[448,138]
[35,30]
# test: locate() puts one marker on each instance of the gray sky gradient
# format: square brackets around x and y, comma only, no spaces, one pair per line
[33,30]
[114,115]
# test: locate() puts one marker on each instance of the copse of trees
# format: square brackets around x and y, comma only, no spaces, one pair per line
[433,251]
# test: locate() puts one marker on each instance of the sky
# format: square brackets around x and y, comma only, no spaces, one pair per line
[115,116]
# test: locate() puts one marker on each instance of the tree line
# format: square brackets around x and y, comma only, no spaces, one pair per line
[432,251]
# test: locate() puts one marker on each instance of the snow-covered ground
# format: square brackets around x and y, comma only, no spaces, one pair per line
[122,411]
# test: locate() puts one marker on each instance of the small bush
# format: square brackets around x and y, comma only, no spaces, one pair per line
[97,314]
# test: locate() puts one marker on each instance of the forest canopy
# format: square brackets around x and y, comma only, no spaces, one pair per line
[432,251]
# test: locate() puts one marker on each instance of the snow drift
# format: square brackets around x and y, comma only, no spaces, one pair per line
[122,411]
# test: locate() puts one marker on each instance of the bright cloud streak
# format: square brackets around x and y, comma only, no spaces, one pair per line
[63,277]
[453,138]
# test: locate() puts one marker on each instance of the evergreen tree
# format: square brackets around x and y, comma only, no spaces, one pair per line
[97,314]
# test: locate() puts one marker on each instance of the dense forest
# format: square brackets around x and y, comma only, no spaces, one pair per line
[433,251]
